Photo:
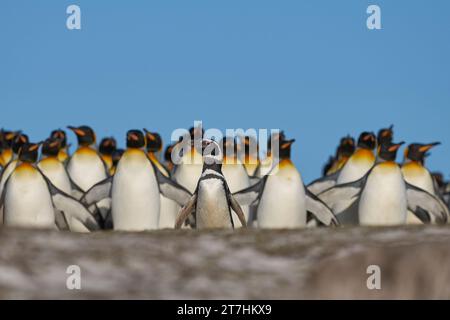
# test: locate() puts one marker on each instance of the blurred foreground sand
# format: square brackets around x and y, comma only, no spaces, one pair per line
[254,264]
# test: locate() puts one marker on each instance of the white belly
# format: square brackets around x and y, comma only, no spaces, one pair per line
[383,200]
[283,202]
[135,195]
[86,171]
[57,174]
[168,213]
[353,171]
[212,210]
[28,202]
[237,179]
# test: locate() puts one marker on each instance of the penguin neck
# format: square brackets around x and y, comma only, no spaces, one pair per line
[6,157]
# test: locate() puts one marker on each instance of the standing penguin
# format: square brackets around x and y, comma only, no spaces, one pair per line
[382,197]
[416,174]
[212,202]
[282,199]
[85,166]
[235,173]
[168,208]
[30,200]
[135,187]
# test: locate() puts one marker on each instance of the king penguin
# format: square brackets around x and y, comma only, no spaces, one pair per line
[212,202]
[415,173]
[135,187]
[7,139]
[382,196]
[235,173]
[85,166]
[106,149]
[63,154]
[30,200]
[168,208]
[282,199]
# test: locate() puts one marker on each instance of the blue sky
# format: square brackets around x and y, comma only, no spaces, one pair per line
[309,67]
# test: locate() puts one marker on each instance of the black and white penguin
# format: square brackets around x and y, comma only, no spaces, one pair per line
[212,202]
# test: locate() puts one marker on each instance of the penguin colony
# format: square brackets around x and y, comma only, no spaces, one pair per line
[215,184]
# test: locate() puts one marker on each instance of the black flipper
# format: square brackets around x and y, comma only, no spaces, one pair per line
[324,183]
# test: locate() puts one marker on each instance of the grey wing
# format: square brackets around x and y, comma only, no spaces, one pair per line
[98,192]
[344,194]
[172,190]
[77,192]
[420,200]
[322,184]
[73,209]
[251,195]
[320,210]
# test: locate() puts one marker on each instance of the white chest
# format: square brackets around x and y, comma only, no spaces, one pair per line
[283,201]
[212,210]
[383,200]
[28,202]
[86,169]
[135,194]
[57,174]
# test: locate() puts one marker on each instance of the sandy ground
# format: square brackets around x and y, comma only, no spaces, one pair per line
[255,264]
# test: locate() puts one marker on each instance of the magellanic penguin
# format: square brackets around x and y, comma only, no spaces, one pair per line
[212,202]
[282,199]
[63,154]
[168,208]
[344,151]
[135,187]
[382,197]
[415,173]
[234,173]
[85,166]
[30,200]
[106,149]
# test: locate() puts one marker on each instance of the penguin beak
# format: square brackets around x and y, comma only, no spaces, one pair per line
[395,147]
[427,147]
[287,144]
[77,131]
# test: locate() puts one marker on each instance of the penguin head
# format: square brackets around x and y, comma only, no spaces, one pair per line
[7,138]
[61,135]
[418,152]
[285,148]
[116,155]
[85,135]
[135,139]
[107,146]
[346,147]
[19,141]
[29,152]
[388,151]
[367,141]
[277,136]
[385,135]
[168,153]
[51,147]
[153,140]
[212,154]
